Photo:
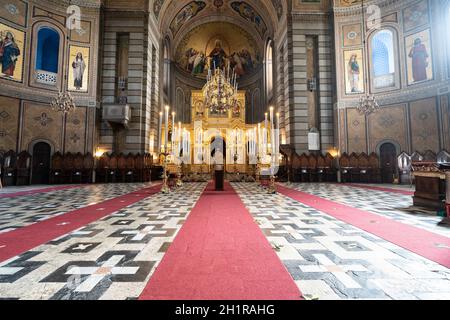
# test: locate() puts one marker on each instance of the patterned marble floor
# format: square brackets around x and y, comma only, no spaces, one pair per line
[330,259]
[114,257]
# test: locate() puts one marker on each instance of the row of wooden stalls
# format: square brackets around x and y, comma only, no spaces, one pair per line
[354,168]
[21,169]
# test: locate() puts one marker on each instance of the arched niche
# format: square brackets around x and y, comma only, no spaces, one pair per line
[47,59]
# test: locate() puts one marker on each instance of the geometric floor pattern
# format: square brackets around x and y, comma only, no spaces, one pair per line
[114,257]
[330,259]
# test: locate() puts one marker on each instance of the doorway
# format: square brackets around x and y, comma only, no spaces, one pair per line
[41,163]
[388,161]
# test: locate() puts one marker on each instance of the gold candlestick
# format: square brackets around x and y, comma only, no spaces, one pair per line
[165,188]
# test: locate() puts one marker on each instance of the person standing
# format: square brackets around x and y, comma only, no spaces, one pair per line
[79,66]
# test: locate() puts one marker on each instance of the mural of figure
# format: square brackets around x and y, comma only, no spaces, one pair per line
[353,73]
[199,64]
[191,54]
[218,56]
[9,53]
[79,66]
[419,56]
[236,64]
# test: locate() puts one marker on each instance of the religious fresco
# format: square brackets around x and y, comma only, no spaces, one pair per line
[186,14]
[157,5]
[78,69]
[278,5]
[220,45]
[12,43]
[415,16]
[419,58]
[248,13]
[354,75]
[352,35]
[15,11]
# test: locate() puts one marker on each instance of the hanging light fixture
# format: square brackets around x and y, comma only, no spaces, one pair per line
[63,102]
[220,92]
[367,103]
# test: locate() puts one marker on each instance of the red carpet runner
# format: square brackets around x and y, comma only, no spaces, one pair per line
[36,191]
[375,188]
[220,254]
[18,241]
[424,243]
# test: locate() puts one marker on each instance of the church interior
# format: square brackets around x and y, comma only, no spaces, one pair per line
[224,150]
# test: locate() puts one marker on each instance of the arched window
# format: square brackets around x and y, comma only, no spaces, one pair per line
[47,53]
[269,69]
[383,59]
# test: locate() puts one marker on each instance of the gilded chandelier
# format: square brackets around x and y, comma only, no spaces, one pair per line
[220,92]
[368,105]
[63,102]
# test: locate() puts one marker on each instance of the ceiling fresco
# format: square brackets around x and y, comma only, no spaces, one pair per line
[221,44]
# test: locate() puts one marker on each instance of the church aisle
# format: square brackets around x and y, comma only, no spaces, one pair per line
[111,258]
[221,254]
[19,212]
[386,204]
[331,259]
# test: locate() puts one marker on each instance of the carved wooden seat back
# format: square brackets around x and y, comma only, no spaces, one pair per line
[344,161]
[363,161]
[103,162]
[404,162]
[121,161]
[430,156]
[68,163]
[2,156]
[23,160]
[113,162]
[417,157]
[78,162]
[88,161]
[295,161]
[130,162]
[304,161]
[321,162]
[443,157]
[139,161]
[329,161]
[10,160]
[57,161]
[354,159]
[312,162]
[374,161]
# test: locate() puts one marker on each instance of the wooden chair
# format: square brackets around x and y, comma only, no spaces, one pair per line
[23,169]
[312,168]
[304,168]
[68,167]
[2,154]
[295,167]
[112,172]
[330,168]
[77,172]
[355,175]
[9,168]
[375,170]
[130,168]
[140,167]
[321,169]
[88,168]
[344,163]
[56,170]
[405,168]
[121,168]
[101,171]
[364,168]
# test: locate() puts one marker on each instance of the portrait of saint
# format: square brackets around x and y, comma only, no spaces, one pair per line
[218,56]
[419,56]
[9,54]
[79,66]
[354,73]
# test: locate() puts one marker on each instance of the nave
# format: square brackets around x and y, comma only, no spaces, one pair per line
[309,241]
